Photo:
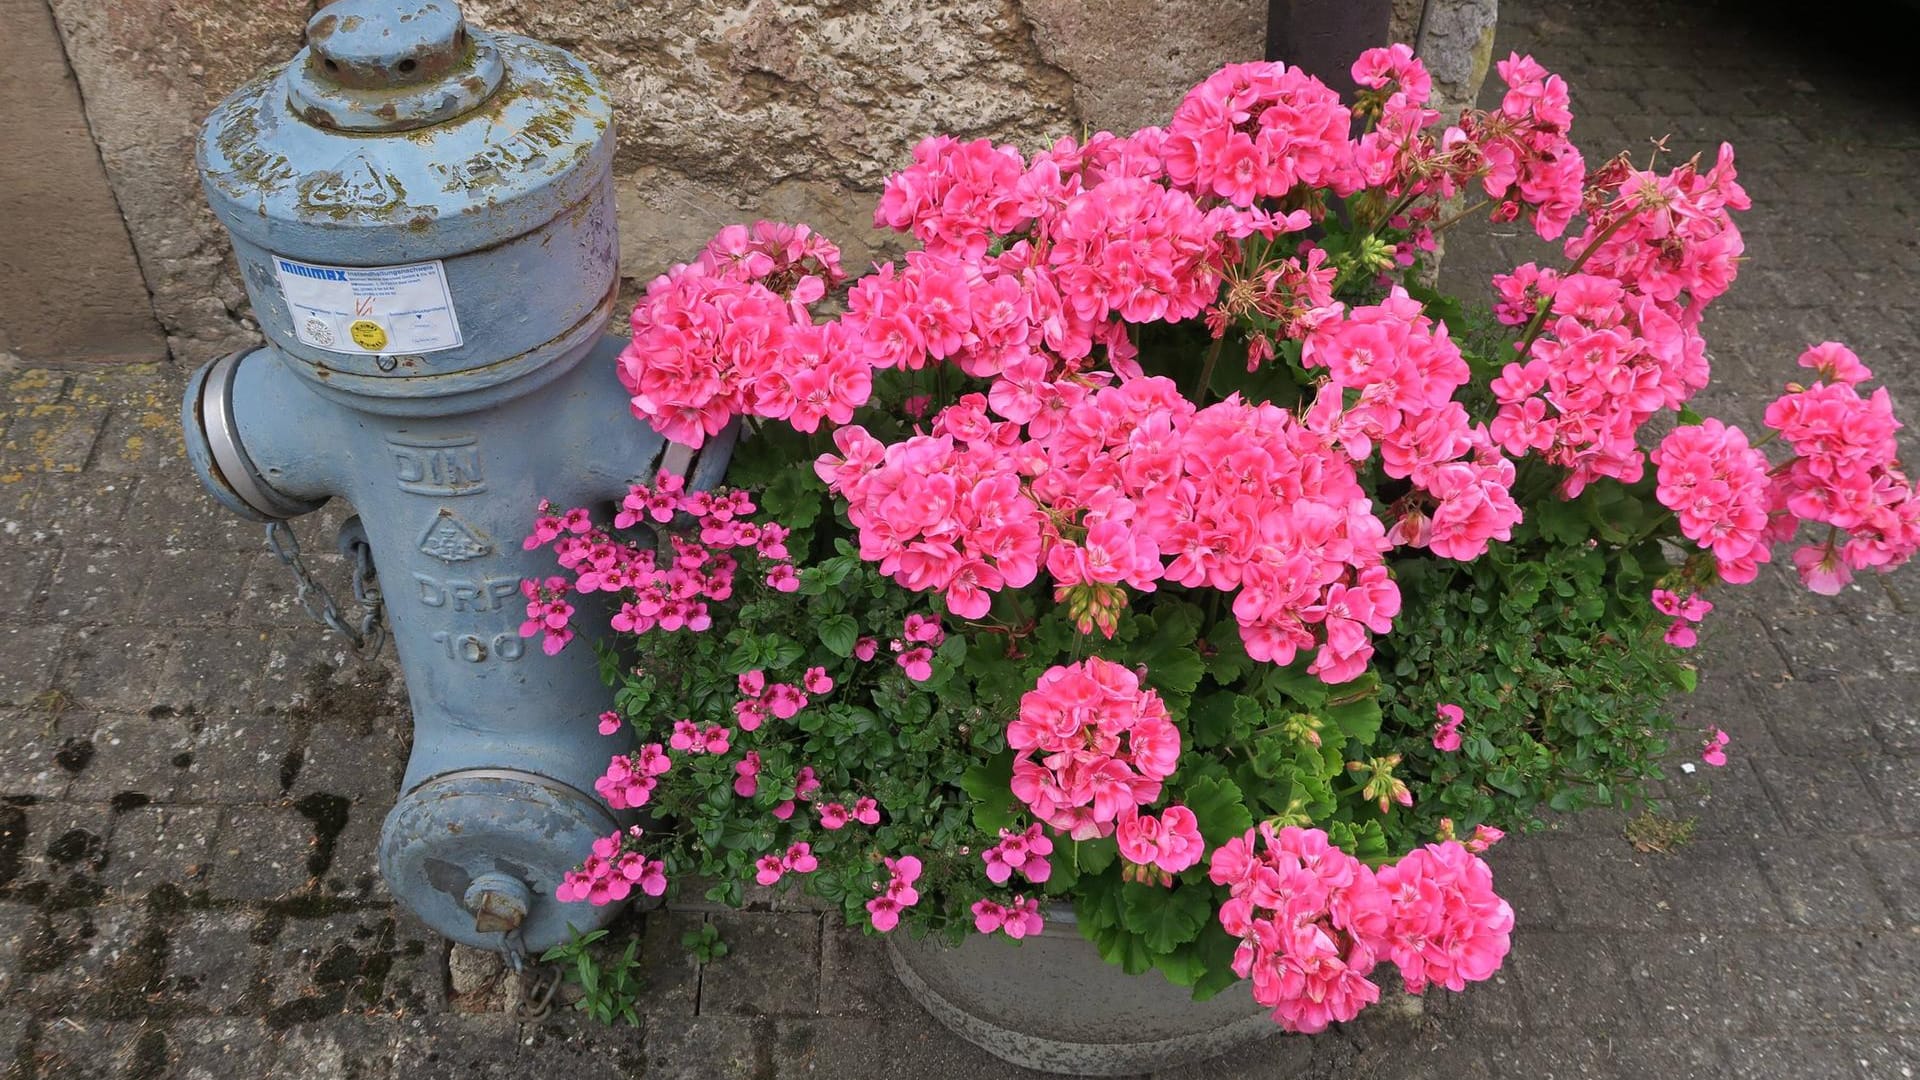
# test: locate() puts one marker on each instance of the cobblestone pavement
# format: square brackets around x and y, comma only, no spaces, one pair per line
[193,777]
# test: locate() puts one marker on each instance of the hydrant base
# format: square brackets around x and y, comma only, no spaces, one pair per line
[478,825]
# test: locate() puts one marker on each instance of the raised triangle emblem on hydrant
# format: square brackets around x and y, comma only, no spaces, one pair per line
[451,540]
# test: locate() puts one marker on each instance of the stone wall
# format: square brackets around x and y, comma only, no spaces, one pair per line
[792,110]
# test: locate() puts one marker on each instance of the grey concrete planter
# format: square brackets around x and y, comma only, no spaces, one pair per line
[1051,1003]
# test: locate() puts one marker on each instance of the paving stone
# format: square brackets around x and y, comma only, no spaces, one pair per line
[1521,877]
[1798,982]
[134,753]
[1605,883]
[52,438]
[114,667]
[158,845]
[318,967]
[19,933]
[1728,801]
[1687,985]
[29,656]
[23,569]
[180,516]
[1821,796]
[344,1046]
[1716,883]
[710,1048]
[1891,863]
[365,767]
[96,1050]
[262,854]
[1888,967]
[1492,1005]
[1822,885]
[217,672]
[212,960]
[1896,779]
[486,1048]
[856,976]
[1576,981]
[569,1043]
[1892,705]
[181,592]
[1555,1058]
[30,754]
[237,760]
[227,1048]
[772,966]
[1803,1057]
[417,977]
[94,585]
[76,951]
[62,842]
[85,510]
[354,871]
[669,970]
[908,1045]
[1811,716]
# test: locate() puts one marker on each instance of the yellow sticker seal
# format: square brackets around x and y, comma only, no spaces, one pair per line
[368,334]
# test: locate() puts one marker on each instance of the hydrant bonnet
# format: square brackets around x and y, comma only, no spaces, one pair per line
[469,170]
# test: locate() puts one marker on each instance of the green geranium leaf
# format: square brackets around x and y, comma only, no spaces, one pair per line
[1165,919]
[991,785]
[1219,806]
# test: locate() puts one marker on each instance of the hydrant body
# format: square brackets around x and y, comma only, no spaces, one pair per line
[423,214]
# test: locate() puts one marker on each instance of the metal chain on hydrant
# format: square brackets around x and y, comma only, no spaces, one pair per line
[534,983]
[366,635]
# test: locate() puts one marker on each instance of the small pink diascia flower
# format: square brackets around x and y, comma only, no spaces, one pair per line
[609,722]
[1446,734]
[1714,752]
[897,895]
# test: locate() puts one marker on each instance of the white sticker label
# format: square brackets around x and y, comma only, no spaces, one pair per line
[370,309]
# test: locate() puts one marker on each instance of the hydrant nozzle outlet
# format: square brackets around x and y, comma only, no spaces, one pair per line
[499,903]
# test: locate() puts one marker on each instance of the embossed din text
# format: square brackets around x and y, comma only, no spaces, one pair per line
[440,467]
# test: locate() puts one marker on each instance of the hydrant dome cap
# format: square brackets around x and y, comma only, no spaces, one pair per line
[373,65]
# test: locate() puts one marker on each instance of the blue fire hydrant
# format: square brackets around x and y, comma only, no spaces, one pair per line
[423,214]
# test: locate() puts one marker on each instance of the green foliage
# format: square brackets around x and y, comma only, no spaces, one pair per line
[704,943]
[609,991]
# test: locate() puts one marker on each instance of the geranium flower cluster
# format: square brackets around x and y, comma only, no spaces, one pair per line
[730,335]
[1314,921]
[1621,339]
[1844,474]
[1520,152]
[1400,372]
[613,871]
[1159,847]
[1131,485]
[1090,744]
